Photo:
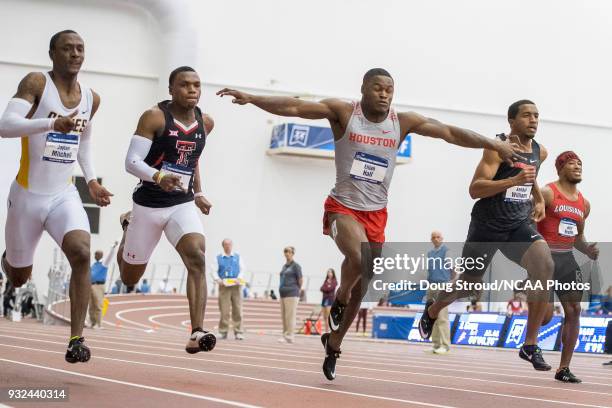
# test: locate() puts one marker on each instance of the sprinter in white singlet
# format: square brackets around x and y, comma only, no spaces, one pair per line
[51,113]
[367,136]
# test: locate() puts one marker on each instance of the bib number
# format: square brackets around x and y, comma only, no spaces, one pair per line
[182,172]
[568,228]
[369,168]
[519,193]
[61,148]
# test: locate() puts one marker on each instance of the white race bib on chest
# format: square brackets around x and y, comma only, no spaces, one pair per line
[568,227]
[519,193]
[182,172]
[61,148]
[370,168]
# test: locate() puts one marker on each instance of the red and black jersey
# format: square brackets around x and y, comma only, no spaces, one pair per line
[176,149]
[563,216]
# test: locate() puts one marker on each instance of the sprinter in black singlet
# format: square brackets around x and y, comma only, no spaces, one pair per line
[164,154]
[503,219]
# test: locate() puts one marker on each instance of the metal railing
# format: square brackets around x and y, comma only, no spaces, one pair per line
[59,286]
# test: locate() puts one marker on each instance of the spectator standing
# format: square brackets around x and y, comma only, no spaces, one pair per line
[438,272]
[289,291]
[329,294]
[606,302]
[99,270]
[229,269]
[362,316]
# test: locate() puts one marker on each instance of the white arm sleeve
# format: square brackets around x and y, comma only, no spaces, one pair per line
[14,123]
[84,156]
[134,161]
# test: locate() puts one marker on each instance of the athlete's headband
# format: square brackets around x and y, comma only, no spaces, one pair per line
[564,157]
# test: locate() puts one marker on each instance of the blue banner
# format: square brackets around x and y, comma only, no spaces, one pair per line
[479,329]
[592,336]
[547,336]
[414,334]
[391,326]
[310,140]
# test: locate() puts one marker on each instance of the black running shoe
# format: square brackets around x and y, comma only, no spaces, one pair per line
[426,323]
[533,354]
[77,351]
[567,376]
[329,364]
[335,315]
[201,341]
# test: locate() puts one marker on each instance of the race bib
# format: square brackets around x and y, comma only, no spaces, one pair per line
[61,148]
[519,193]
[568,228]
[182,172]
[370,168]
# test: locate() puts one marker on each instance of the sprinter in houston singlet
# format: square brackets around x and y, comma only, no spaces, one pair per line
[367,135]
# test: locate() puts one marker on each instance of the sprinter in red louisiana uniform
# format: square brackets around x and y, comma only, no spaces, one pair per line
[563,229]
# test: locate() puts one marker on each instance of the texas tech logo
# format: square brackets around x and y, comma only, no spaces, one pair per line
[184,149]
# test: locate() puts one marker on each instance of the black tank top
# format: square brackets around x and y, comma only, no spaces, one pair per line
[509,209]
[174,150]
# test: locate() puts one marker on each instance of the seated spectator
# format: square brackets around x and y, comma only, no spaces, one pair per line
[144,287]
[515,305]
[474,306]
[116,289]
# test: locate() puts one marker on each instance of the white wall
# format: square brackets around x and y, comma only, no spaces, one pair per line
[460,62]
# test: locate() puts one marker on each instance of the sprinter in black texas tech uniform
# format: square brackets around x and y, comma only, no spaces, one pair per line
[164,154]
[503,219]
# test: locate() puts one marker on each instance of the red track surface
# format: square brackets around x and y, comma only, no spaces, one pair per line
[142,362]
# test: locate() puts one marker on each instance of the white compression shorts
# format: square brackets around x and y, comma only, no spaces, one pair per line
[29,214]
[147,224]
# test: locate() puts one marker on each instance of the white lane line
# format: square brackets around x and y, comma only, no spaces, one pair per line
[599,373]
[360,367]
[477,368]
[131,384]
[215,374]
[376,379]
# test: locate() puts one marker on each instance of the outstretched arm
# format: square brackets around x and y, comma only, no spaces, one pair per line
[289,106]
[412,122]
